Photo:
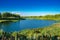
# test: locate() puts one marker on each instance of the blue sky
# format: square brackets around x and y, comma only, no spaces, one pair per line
[31,7]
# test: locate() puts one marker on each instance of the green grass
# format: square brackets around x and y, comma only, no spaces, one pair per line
[51,30]
[8,20]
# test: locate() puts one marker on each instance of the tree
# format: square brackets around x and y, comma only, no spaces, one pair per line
[7,14]
[0,15]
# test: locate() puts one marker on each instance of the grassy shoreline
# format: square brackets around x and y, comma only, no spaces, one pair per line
[8,20]
[47,33]
[54,29]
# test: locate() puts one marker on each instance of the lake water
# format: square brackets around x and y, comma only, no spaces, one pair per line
[25,24]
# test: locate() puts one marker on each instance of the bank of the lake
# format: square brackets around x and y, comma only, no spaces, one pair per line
[46,33]
[8,21]
[45,17]
[53,30]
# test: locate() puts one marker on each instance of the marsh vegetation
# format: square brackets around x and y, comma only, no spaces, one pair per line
[46,33]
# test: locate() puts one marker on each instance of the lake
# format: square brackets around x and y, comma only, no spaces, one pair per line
[25,24]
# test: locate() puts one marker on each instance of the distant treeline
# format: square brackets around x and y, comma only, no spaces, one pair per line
[9,16]
[49,17]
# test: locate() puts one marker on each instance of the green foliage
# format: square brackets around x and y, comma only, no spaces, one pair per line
[1,31]
[0,15]
[6,14]
[9,16]
[52,30]
[46,17]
